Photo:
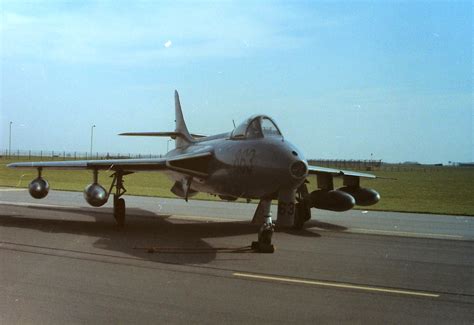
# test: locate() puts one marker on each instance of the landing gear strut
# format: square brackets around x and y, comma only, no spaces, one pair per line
[265,233]
[119,203]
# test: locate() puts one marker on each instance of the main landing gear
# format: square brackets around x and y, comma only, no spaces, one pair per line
[119,203]
[119,211]
[303,207]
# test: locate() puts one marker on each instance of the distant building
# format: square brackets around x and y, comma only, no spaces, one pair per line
[468,164]
[411,163]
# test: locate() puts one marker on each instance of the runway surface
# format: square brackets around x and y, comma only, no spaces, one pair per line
[62,261]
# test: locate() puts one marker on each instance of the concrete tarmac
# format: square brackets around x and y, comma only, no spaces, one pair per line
[177,262]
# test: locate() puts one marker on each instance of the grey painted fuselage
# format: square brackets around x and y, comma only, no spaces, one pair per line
[246,168]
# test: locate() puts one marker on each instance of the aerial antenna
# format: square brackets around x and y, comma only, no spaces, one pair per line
[233,122]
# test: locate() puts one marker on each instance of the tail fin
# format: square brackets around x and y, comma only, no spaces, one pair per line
[181,128]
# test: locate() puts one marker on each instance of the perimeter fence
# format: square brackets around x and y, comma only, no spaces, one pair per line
[70,155]
[367,165]
[379,165]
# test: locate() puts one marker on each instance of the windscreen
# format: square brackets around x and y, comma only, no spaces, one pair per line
[269,128]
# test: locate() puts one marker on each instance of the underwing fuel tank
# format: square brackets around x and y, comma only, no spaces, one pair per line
[38,188]
[95,195]
[362,196]
[334,200]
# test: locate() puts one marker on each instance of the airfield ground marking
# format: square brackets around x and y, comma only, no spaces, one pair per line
[336,285]
[404,233]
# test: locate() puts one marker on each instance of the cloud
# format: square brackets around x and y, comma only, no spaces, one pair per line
[104,34]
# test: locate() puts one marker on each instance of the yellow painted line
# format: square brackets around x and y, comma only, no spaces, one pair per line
[402,233]
[335,285]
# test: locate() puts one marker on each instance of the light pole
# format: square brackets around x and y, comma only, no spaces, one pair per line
[92,138]
[168,144]
[10,141]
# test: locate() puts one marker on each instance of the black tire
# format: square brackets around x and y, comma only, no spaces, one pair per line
[119,212]
[299,222]
[255,245]
[262,248]
[301,216]
[269,249]
[266,237]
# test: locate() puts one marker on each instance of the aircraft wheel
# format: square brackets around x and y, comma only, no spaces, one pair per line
[299,217]
[302,215]
[264,243]
[263,248]
[119,212]
[265,237]
[267,249]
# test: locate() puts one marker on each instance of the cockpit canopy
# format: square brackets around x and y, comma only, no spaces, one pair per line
[256,127]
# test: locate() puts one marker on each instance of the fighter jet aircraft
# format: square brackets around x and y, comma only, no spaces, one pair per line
[254,161]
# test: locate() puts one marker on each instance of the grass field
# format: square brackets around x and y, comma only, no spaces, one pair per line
[444,190]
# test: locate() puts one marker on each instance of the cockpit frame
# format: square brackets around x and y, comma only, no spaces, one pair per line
[252,128]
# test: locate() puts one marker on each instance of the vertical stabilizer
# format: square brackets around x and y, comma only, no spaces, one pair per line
[185,138]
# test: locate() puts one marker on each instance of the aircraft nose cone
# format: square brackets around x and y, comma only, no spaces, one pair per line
[298,169]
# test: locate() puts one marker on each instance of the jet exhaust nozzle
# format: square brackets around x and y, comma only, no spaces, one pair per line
[95,195]
[362,196]
[334,200]
[38,188]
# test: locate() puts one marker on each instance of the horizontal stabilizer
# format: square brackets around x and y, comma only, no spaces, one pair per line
[173,135]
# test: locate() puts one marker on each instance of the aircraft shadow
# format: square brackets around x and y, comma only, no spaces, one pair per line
[176,241]
[324,225]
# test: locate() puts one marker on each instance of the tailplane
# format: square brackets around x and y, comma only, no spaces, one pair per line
[180,134]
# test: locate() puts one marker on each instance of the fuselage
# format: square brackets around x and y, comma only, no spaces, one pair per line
[246,168]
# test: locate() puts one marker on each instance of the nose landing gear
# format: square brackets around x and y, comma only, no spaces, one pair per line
[265,233]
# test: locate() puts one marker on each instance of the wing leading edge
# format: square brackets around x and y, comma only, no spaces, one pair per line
[149,164]
[194,164]
[315,170]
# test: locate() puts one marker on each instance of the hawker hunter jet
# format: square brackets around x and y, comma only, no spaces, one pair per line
[254,161]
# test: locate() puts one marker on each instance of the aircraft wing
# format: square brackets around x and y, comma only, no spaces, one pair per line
[112,164]
[194,164]
[314,170]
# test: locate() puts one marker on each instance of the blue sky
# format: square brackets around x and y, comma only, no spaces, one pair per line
[343,80]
